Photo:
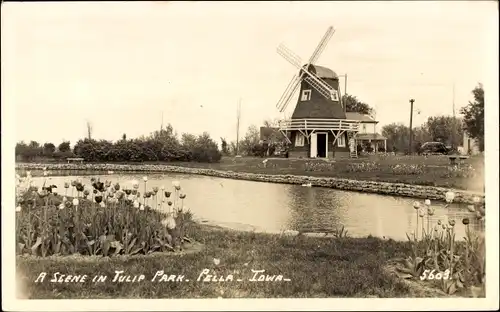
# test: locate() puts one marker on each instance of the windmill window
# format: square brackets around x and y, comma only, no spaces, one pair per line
[335,95]
[341,140]
[299,139]
[306,95]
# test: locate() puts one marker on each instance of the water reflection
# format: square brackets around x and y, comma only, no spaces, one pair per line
[274,207]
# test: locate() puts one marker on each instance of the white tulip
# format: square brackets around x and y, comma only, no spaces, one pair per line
[141,207]
[145,179]
[427,202]
[102,204]
[416,205]
[61,206]
[75,202]
[476,199]
[18,209]
[136,204]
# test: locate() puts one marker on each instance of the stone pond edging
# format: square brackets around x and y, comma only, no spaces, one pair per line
[384,188]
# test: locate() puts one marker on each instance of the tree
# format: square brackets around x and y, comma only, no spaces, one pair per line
[34,144]
[224,146]
[446,129]
[248,144]
[89,130]
[64,147]
[354,105]
[49,148]
[473,120]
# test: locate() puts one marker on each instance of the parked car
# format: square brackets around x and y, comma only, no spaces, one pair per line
[433,148]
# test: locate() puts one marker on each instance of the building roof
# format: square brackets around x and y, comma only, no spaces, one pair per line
[359,116]
[323,72]
[370,136]
[266,132]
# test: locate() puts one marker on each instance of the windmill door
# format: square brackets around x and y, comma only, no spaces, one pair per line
[314,145]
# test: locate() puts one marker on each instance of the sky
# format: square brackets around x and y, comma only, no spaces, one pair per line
[121,66]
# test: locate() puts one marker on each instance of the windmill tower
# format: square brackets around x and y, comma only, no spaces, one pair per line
[318,126]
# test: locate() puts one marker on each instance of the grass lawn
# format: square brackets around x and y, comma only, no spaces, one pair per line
[317,267]
[421,170]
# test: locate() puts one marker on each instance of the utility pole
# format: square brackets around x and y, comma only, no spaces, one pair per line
[453,135]
[411,126]
[238,117]
[161,127]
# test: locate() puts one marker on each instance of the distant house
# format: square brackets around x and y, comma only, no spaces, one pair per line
[470,146]
[367,134]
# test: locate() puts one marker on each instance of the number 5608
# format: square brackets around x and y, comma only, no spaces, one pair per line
[432,275]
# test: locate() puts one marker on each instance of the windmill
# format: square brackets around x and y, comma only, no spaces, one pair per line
[305,74]
[319,110]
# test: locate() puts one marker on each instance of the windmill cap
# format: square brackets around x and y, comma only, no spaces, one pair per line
[323,72]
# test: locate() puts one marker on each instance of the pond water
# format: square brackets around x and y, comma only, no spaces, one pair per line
[270,207]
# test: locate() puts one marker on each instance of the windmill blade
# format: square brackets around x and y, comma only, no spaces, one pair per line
[325,92]
[288,94]
[322,45]
[289,55]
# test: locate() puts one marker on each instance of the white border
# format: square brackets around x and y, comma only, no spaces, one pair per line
[491,302]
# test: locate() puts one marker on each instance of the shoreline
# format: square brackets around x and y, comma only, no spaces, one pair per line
[376,187]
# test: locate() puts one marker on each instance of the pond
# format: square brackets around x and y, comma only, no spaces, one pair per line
[269,207]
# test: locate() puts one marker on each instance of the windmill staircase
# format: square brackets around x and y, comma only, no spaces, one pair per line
[353,152]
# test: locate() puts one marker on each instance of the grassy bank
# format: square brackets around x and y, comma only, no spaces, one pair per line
[420,170]
[316,267]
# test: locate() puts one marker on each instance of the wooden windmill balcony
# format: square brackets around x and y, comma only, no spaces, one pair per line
[319,124]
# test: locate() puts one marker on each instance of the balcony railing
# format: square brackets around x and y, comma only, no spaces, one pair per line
[319,124]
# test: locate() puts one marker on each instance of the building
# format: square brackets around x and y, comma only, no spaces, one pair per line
[367,134]
[319,127]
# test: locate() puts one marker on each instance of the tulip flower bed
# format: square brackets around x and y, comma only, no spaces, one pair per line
[102,219]
[438,259]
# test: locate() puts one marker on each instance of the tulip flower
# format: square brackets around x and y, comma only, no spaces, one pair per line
[141,207]
[61,206]
[169,203]
[128,191]
[439,222]
[86,192]
[135,184]
[73,183]
[98,198]
[476,199]
[430,211]
[416,205]
[155,190]
[145,179]
[66,185]
[421,213]
[68,204]
[427,202]
[18,209]
[75,202]
[450,196]
[451,223]
[167,194]
[136,204]
[102,204]
[107,184]
[163,187]
[117,187]
[465,221]
[471,208]
[216,261]
[182,196]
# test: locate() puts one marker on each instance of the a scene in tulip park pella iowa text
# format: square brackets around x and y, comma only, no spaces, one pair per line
[323,154]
